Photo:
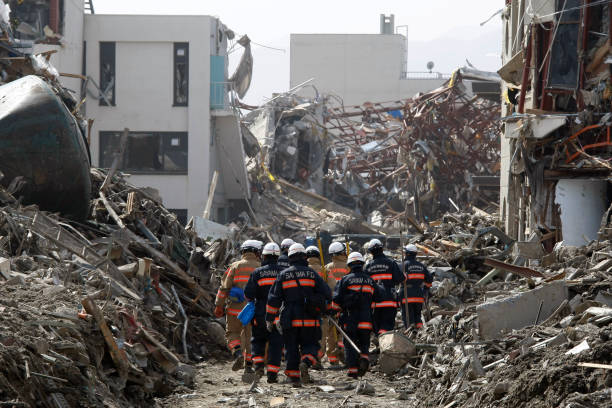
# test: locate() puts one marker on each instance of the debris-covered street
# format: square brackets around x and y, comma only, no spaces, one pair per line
[368,236]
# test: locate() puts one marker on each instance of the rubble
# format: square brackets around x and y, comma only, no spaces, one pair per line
[385,161]
[112,308]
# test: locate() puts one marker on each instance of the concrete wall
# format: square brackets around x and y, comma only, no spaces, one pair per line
[582,203]
[144,93]
[357,67]
[515,312]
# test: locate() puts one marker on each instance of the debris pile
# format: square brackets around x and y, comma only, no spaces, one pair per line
[507,327]
[108,309]
[421,157]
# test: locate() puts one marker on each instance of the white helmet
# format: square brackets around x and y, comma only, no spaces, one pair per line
[287,242]
[312,250]
[411,248]
[296,249]
[271,248]
[374,244]
[337,248]
[354,257]
[251,245]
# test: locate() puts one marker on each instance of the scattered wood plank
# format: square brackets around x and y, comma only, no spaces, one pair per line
[596,365]
[517,270]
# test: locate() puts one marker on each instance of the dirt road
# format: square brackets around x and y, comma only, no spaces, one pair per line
[218,386]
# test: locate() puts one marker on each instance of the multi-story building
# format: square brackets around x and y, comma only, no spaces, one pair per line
[555,152]
[359,67]
[164,78]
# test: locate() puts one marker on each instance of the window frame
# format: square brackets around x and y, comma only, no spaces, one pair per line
[184,59]
[112,60]
[183,136]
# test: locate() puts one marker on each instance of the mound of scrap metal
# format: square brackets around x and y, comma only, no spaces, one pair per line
[509,323]
[419,157]
[106,311]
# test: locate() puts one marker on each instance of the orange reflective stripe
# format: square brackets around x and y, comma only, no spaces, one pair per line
[367,289]
[307,282]
[248,269]
[388,303]
[289,284]
[266,281]
[292,373]
[309,357]
[258,359]
[364,325]
[271,309]
[233,312]
[335,306]
[413,300]
[221,295]
[354,287]
[416,276]
[353,370]
[241,278]
[310,323]
[428,284]
[273,368]
[234,343]
[382,276]
[226,272]
[363,355]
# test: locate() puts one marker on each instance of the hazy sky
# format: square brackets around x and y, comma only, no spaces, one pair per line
[444,31]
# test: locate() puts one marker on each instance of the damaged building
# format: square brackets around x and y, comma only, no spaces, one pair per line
[171,88]
[556,145]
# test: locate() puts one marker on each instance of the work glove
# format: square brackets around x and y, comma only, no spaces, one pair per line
[219,311]
[270,326]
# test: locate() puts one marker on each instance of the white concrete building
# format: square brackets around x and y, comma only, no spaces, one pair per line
[358,67]
[165,79]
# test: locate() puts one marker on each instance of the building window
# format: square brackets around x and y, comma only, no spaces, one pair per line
[181,215]
[181,74]
[146,152]
[38,21]
[107,74]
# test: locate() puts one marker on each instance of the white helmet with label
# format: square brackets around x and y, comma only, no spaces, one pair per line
[354,257]
[251,245]
[411,248]
[337,248]
[312,251]
[296,249]
[374,244]
[287,242]
[271,248]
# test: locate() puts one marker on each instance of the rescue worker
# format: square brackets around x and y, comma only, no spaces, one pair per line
[354,295]
[230,301]
[331,343]
[418,282]
[283,260]
[313,256]
[386,273]
[302,296]
[257,290]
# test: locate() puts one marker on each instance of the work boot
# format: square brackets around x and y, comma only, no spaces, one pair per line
[259,372]
[238,360]
[272,378]
[295,382]
[364,364]
[248,375]
[304,372]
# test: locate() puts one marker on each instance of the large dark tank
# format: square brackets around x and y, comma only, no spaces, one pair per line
[41,141]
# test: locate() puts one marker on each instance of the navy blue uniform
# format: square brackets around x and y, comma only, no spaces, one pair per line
[283,262]
[354,296]
[418,282]
[386,273]
[301,330]
[257,290]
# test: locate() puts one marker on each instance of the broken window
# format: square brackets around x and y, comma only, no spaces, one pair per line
[146,152]
[107,74]
[563,69]
[37,20]
[181,74]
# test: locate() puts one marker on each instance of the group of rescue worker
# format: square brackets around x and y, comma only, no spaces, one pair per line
[305,310]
